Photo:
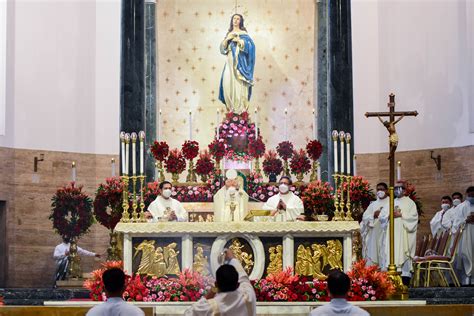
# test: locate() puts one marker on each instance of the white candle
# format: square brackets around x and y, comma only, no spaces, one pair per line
[355,165]
[73,175]
[315,118]
[141,137]
[112,163]
[348,153]
[190,126]
[256,124]
[399,170]
[159,126]
[134,153]
[341,139]
[286,124]
[335,135]
[122,156]
[127,153]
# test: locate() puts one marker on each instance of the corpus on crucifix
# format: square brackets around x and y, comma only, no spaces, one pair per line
[404,208]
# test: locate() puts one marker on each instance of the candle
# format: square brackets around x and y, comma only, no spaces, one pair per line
[73,175]
[141,136]
[315,119]
[122,151]
[334,138]
[348,152]
[286,124]
[112,162]
[256,124]
[159,126]
[127,153]
[134,153]
[354,162]
[217,123]
[399,170]
[190,125]
[341,139]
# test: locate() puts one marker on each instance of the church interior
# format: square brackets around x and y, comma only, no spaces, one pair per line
[306,136]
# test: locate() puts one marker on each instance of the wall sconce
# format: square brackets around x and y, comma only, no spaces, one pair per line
[437,160]
[36,160]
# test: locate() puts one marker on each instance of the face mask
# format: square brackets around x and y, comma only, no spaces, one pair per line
[166,193]
[445,206]
[381,194]
[470,199]
[456,202]
[399,192]
[231,190]
[283,188]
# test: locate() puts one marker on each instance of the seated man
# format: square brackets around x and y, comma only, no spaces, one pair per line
[231,201]
[285,206]
[165,208]
[235,294]
[114,285]
[338,286]
[442,219]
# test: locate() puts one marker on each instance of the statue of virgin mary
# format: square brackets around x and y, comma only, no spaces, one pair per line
[237,77]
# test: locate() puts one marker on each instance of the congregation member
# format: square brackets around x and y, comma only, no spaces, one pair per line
[406,223]
[114,285]
[464,217]
[164,208]
[285,206]
[235,295]
[61,256]
[442,221]
[231,201]
[339,285]
[370,229]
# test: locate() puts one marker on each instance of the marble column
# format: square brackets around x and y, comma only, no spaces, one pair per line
[335,110]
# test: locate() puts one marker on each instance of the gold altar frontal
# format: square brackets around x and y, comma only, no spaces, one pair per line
[167,248]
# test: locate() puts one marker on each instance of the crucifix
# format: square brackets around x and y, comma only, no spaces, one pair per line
[393,118]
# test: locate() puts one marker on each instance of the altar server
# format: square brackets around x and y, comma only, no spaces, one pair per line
[370,226]
[231,201]
[235,294]
[165,208]
[464,216]
[61,256]
[285,206]
[406,223]
[442,220]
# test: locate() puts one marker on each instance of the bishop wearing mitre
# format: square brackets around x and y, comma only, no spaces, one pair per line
[231,201]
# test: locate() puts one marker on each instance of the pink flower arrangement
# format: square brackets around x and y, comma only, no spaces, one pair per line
[236,125]
[261,191]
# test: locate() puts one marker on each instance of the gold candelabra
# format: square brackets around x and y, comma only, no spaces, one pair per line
[257,166]
[337,216]
[134,199]
[141,216]
[159,165]
[348,216]
[136,216]
[125,215]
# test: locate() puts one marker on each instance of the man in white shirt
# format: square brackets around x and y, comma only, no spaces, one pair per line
[164,208]
[285,206]
[231,201]
[338,286]
[370,226]
[235,294]
[114,285]
[60,255]
[442,220]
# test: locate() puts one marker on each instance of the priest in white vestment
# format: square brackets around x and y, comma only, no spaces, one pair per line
[231,201]
[164,208]
[370,226]
[285,206]
[235,294]
[442,221]
[406,224]
[464,215]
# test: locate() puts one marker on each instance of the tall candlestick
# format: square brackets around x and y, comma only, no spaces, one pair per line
[355,165]
[190,125]
[335,136]
[122,155]
[399,170]
[217,123]
[348,152]
[112,166]
[315,119]
[73,172]
[256,124]
[127,153]
[159,126]
[341,139]
[286,124]
[141,137]
[134,153]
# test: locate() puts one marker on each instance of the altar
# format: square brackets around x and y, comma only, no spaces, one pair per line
[167,248]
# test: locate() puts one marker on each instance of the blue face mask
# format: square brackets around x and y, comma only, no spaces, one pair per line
[470,199]
[398,192]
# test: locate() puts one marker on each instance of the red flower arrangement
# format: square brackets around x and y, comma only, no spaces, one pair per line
[204,165]
[152,190]
[317,198]
[109,196]
[217,149]
[71,211]
[256,147]
[190,149]
[160,150]
[369,283]
[314,149]
[300,163]
[272,165]
[175,162]
[285,150]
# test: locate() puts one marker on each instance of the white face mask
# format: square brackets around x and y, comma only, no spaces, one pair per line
[166,193]
[445,206]
[456,202]
[381,194]
[232,190]
[283,188]
[399,192]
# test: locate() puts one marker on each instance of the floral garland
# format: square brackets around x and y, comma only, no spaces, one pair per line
[190,149]
[175,162]
[217,149]
[285,150]
[271,164]
[314,149]
[256,147]
[71,211]
[109,196]
[300,163]
[317,198]
[204,165]
[160,150]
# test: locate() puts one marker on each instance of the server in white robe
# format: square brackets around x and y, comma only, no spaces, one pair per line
[464,215]
[370,229]
[442,221]
[60,255]
[406,224]
[231,201]
[285,206]
[235,294]
[164,208]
